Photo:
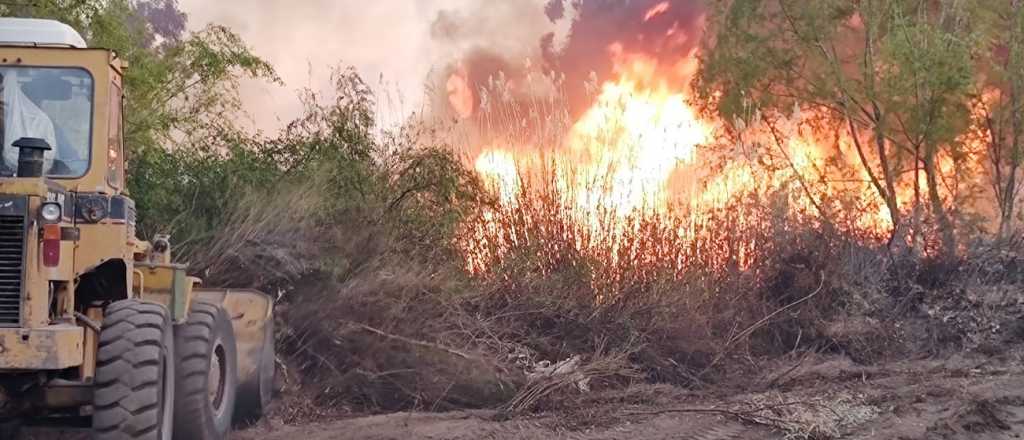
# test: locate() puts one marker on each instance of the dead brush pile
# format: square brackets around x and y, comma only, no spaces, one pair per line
[381,325]
[377,311]
[401,283]
[370,318]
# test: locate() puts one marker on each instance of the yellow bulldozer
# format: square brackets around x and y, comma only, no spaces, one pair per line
[98,327]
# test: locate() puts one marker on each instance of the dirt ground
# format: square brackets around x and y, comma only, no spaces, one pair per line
[979,398]
[958,397]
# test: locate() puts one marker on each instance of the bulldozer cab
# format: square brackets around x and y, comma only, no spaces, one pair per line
[68,230]
[72,270]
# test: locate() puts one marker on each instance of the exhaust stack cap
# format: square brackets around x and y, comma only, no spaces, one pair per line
[30,156]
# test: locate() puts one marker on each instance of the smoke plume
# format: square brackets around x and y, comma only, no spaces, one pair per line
[665,30]
[398,46]
[595,32]
[434,55]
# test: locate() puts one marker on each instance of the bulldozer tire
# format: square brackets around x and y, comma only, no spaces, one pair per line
[10,430]
[207,366]
[134,383]
[254,396]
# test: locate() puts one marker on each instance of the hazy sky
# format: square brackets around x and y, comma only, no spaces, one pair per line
[303,39]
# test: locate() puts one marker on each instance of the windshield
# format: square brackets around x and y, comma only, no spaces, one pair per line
[52,104]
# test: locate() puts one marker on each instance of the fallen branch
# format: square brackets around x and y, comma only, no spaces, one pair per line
[578,376]
[658,412]
[777,379]
[752,415]
[758,325]
[410,341]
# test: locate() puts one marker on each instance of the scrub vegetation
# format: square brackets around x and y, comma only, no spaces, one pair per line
[359,231]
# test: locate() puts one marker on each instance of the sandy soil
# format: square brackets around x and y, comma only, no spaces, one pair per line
[466,426]
[980,398]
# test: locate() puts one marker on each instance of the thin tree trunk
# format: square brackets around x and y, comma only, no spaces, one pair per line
[1009,190]
[916,226]
[887,197]
[946,228]
[1009,201]
[899,232]
[897,236]
[826,219]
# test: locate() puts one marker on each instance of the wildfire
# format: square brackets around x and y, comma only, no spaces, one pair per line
[499,169]
[637,151]
[642,151]
[621,154]
[625,148]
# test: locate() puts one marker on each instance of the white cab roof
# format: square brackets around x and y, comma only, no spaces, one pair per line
[35,32]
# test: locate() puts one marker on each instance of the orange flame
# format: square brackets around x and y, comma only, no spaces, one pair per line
[499,170]
[642,149]
[657,10]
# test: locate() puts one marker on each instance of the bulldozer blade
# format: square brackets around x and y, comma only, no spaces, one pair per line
[251,314]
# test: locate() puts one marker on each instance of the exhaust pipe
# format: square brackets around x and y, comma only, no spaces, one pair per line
[30,156]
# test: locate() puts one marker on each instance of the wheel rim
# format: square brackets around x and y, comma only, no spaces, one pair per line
[216,386]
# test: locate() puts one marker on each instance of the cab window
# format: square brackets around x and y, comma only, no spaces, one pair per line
[49,103]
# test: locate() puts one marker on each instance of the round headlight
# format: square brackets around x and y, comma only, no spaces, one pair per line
[50,211]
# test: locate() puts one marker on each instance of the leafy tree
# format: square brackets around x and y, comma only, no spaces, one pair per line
[191,168]
[402,176]
[896,77]
[1000,117]
[182,93]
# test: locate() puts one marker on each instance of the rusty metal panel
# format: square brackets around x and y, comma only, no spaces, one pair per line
[47,348]
[63,394]
[165,284]
[25,186]
[91,343]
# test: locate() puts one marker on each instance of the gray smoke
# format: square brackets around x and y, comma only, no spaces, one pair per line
[578,47]
[400,46]
[408,49]
[597,24]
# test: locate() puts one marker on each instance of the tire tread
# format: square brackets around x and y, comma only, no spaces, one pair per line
[206,324]
[127,387]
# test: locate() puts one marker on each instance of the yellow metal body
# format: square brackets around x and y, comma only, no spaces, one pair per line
[57,323]
[50,339]
[51,348]
[107,73]
[167,284]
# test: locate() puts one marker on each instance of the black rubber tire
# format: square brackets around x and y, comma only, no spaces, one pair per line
[254,396]
[10,430]
[205,344]
[134,384]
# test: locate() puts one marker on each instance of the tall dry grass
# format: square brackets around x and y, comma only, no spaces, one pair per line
[417,287]
[671,298]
